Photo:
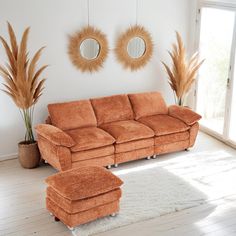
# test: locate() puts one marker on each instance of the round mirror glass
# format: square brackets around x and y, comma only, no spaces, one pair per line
[89,49]
[136,47]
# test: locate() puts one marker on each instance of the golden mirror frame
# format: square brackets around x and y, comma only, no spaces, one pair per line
[77,59]
[122,52]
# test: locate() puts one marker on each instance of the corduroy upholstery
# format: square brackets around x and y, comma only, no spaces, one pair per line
[73,184]
[113,108]
[72,115]
[193,134]
[115,129]
[148,104]
[89,138]
[83,204]
[94,153]
[126,131]
[55,135]
[82,217]
[164,124]
[83,194]
[185,114]
[134,154]
[97,161]
[134,145]
[171,147]
[171,138]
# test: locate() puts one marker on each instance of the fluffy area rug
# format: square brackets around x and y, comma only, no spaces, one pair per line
[149,191]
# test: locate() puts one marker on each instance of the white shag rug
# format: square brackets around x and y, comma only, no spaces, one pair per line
[149,191]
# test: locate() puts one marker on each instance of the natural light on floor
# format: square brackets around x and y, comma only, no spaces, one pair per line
[211,172]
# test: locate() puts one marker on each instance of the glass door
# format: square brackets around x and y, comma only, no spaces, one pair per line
[232,105]
[215,46]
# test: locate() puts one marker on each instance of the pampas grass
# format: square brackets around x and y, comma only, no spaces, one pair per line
[21,78]
[183,73]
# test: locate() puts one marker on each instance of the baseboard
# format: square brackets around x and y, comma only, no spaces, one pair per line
[8,157]
[217,136]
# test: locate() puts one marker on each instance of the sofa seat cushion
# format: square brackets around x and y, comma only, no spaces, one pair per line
[171,138]
[93,153]
[72,115]
[126,131]
[112,108]
[148,104]
[84,182]
[89,138]
[134,145]
[98,161]
[134,155]
[164,124]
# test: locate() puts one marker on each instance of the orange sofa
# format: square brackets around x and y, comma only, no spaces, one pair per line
[111,130]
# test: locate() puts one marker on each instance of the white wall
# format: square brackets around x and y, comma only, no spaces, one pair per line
[52,20]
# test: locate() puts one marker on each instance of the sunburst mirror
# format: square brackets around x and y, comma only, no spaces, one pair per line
[88,49]
[134,48]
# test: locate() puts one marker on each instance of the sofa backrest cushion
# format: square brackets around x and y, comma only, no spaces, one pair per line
[148,104]
[72,115]
[112,108]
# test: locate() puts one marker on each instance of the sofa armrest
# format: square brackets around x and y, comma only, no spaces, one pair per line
[185,114]
[54,135]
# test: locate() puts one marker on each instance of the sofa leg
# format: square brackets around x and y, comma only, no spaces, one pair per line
[109,167]
[148,158]
[154,156]
[44,161]
[113,214]
[70,228]
[187,149]
[51,214]
[116,165]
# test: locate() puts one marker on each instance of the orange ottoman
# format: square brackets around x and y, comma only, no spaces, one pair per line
[84,194]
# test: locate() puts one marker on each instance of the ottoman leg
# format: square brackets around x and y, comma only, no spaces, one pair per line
[51,214]
[148,158]
[56,219]
[154,156]
[70,228]
[187,149]
[116,165]
[109,167]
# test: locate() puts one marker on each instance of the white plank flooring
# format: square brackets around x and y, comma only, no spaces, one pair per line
[22,202]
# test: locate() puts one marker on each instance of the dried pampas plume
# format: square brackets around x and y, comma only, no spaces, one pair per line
[183,73]
[21,78]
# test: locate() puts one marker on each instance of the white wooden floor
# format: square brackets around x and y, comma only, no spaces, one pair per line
[22,206]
